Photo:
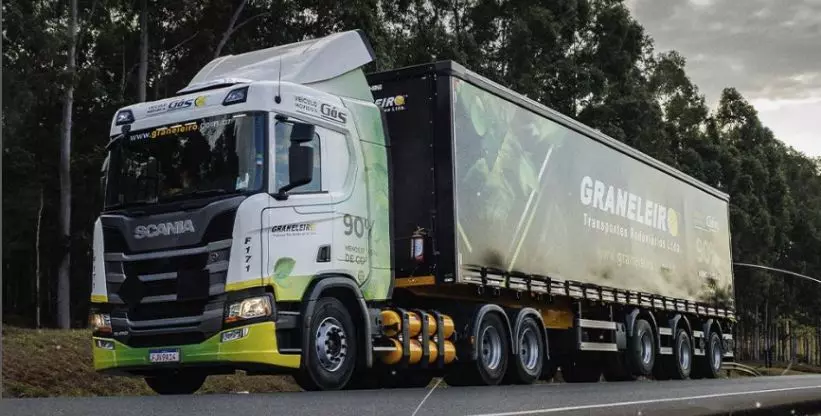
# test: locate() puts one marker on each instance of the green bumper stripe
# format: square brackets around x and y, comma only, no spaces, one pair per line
[259,346]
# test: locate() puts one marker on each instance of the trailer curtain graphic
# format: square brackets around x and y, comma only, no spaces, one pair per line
[534,196]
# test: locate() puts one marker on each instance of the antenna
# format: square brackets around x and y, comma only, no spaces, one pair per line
[278,97]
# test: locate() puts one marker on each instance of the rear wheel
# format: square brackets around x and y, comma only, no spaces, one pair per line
[683,355]
[526,366]
[492,360]
[184,382]
[641,349]
[329,359]
[709,366]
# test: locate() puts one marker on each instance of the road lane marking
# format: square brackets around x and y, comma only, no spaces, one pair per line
[670,399]
[426,396]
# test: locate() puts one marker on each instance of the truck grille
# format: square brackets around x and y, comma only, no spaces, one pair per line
[168,297]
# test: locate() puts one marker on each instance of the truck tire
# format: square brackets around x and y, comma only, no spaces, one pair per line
[184,382]
[491,363]
[710,365]
[641,349]
[526,366]
[682,362]
[330,356]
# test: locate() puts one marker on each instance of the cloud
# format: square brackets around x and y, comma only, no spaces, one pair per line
[770,51]
[765,49]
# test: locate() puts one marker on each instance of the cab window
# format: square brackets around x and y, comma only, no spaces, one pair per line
[282,134]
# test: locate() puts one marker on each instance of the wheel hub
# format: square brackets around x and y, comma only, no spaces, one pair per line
[684,355]
[716,355]
[331,344]
[529,349]
[491,348]
[646,348]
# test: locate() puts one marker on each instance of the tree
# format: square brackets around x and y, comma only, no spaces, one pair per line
[142,78]
[588,59]
[63,283]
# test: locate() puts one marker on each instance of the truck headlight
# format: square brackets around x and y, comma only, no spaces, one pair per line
[248,309]
[100,323]
[104,344]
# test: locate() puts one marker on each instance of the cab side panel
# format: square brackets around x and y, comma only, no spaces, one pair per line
[368,233]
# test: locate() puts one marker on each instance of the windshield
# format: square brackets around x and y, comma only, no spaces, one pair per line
[215,155]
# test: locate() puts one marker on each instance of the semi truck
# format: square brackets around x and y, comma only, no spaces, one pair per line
[288,213]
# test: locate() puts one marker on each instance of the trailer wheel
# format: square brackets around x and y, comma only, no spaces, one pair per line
[527,364]
[641,349]
[682,362]
[710,365]
[331,351]
[184,382]
[492,360]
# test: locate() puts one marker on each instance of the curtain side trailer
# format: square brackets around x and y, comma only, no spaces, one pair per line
[285,213]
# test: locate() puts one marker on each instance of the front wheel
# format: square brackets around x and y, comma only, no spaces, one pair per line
[330,356]
[176,383]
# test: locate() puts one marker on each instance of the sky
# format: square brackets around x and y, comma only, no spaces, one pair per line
[770,51]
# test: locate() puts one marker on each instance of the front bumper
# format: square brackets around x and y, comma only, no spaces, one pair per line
[256,351]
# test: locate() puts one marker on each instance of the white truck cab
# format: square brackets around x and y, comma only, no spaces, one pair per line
[268,170]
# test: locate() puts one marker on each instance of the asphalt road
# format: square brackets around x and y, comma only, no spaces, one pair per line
[666,398]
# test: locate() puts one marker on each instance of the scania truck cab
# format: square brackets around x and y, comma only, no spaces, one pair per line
[262,185]
[284,213]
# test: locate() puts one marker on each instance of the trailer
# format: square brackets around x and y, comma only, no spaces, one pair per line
[287,214]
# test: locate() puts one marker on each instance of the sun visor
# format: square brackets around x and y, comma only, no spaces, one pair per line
[305,62]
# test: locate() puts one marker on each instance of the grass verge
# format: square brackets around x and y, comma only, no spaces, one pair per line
[48,363]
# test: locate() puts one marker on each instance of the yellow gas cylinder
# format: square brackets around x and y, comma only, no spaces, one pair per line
[415,351]
[414,324]
[450,352]
[448,327]
[434,352]
[392,357]
[431,325]
[391,322]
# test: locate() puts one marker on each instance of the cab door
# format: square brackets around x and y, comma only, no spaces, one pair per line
[299,227]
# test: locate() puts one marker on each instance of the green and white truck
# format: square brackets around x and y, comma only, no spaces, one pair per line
[286,213]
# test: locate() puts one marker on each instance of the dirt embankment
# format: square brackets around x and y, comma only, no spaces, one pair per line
[44,363]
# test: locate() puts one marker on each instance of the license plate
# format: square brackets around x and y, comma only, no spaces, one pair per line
[164,356]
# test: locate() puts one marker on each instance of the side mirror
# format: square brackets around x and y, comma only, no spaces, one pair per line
[300,164]
[300,168]
[302,132]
